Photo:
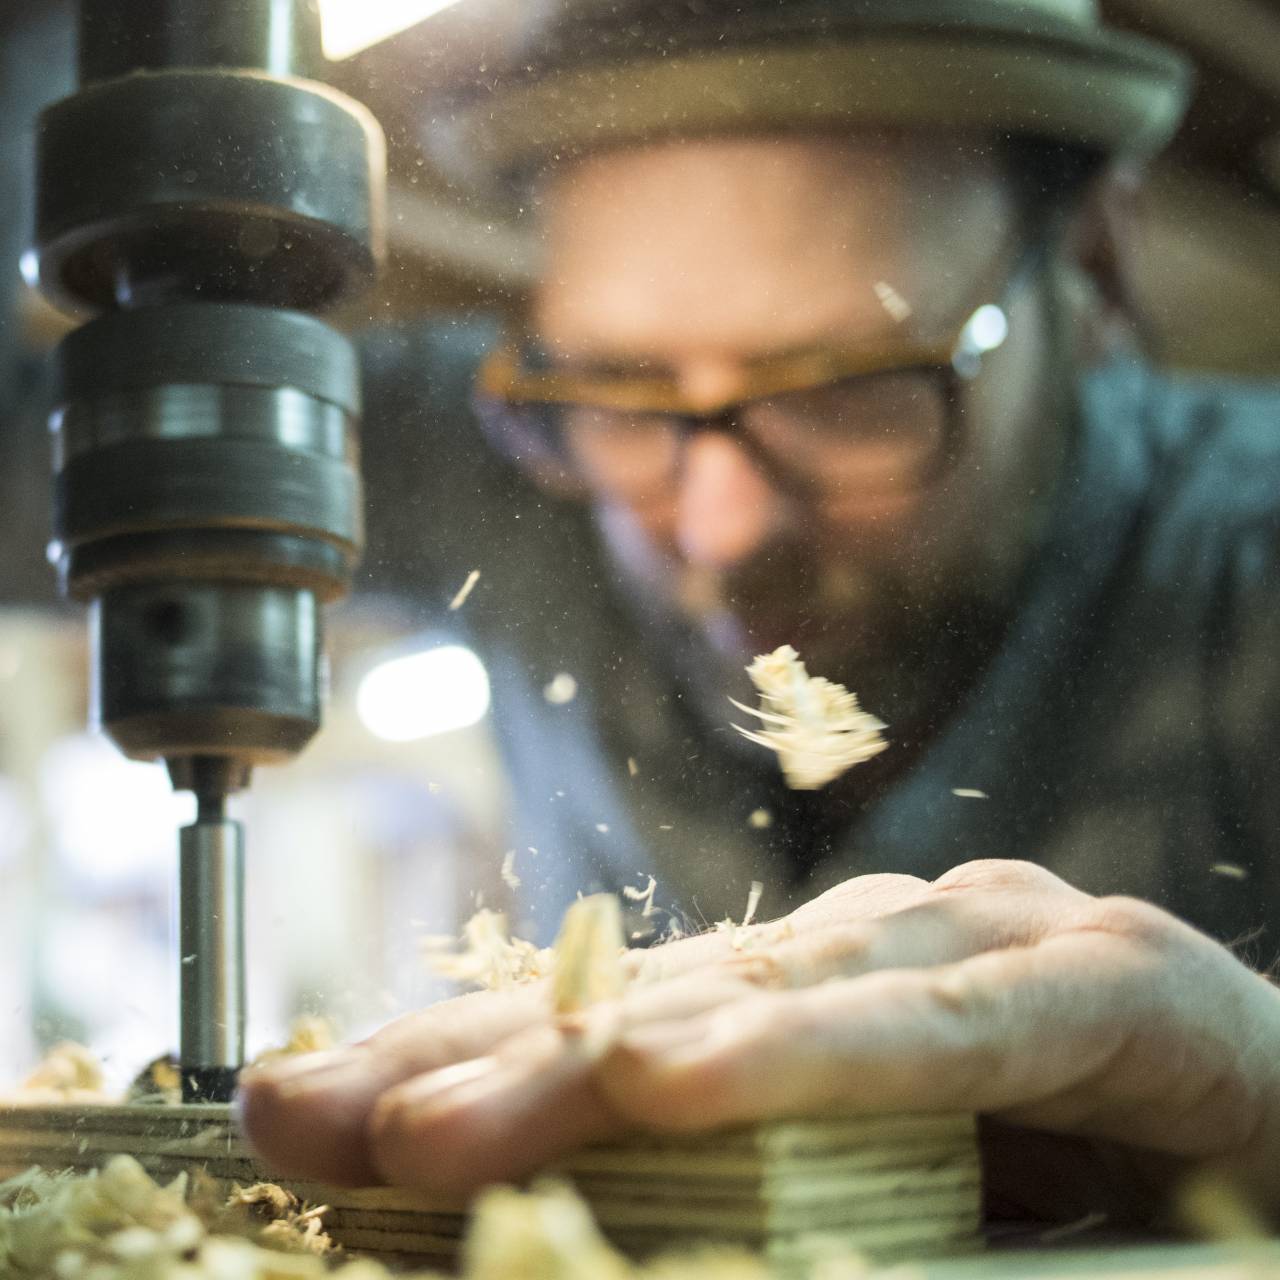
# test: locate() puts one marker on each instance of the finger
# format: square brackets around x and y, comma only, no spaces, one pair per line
[864,897]
[998,1031]
[453,1131]
[912,1040]
[308,1116]
[940,929]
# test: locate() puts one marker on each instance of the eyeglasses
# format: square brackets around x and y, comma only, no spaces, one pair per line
[866,417]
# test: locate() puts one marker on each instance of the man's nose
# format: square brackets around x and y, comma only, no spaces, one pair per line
[726,507]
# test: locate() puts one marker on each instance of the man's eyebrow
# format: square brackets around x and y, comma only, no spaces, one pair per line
[648,367]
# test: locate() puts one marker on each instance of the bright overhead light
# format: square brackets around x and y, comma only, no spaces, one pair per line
[347,26]
[422,694]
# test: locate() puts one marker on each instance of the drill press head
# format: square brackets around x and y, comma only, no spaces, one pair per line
[199,198]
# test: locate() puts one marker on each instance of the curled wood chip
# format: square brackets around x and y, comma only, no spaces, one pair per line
[508,872]
[816,726]
[633,893]
[489,958]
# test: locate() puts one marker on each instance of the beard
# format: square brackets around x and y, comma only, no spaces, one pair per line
[900,632]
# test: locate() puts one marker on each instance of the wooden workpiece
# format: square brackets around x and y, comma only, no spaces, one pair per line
[888,1187]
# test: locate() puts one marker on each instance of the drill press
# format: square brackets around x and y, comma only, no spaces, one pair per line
[199,197]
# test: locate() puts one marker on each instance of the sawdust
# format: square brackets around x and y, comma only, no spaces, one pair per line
[816,726]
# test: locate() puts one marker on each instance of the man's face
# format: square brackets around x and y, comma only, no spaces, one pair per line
[698,259]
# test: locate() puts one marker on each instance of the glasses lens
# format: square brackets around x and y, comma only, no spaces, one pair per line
[619,450]
[880,431]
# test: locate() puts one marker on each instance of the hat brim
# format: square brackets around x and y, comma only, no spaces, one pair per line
[1117,94]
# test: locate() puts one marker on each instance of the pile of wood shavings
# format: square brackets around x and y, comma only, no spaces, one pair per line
[816,726]
[118,1224]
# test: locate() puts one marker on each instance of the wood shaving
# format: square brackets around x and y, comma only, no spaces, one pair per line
[308,1033]
[1230,870]
[588,955]
[159,1082]
[549,1235]
[68,1073]
[562,689]
[633,893]
[287,1222]
[892,301]
[816,726]
[760,819]
[508,872]
[969,793]
[489,958]
[632,767]
[464,591]
[738,932]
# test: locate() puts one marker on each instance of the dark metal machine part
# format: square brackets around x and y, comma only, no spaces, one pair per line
[197,197]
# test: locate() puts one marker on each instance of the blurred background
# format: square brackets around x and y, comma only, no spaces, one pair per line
[391,826]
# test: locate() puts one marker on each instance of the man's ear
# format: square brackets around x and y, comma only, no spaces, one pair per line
[1099,250]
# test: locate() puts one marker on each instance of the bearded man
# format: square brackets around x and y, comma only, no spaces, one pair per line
[828,349]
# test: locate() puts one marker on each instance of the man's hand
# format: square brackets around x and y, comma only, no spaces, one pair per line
[997,989]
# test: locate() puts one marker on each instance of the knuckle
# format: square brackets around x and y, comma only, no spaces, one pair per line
[864,897]
[1000,874]
[1136,920]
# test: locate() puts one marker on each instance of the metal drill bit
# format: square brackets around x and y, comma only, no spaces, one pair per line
[211,941]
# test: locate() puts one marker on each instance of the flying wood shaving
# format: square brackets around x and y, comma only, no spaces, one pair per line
[815,725]
[892,301]
[588,955]
[562,689]
[1230,870]
[464,591]
[635,894]
[737,932]
[969,793]
[508,872]
[489,958]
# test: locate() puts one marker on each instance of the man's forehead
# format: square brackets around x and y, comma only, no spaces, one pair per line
[767,241]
